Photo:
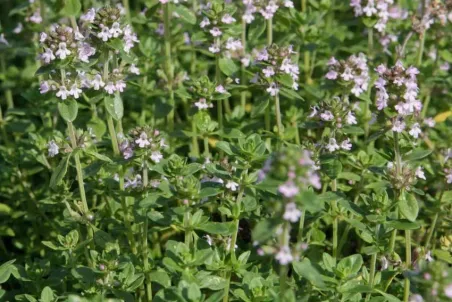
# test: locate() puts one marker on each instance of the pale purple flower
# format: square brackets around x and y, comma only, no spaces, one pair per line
[415,130]
[115,30]
[18,29]
[351,119]
[52,148]
[346,145]
[97,82]
[216,32]
[448,290]
[42,37]
[331,75]
[220,89]
[284,256]
[104,34]
[75,91]
[85,51]
[142,141]
[62,92]
[326,116]
[332,145]
[291,212]
[204,22]
[120,85]
[110,88]
[47,56]
[62,51]
[202,104]
[420,173]
[44,87]
[398,126]
[273,89]
[156,156]
[232,185]
[430,122]
[227,19]
[89,16]
[134,69]
[288,189]
[268,71]
[214,48]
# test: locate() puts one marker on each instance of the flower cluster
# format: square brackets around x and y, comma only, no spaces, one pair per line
[267,8]
[63,43]
[203,92]
[398,87]
[144,142]
[335,113]
[381,10]
[408,175]
[275,61]
[352,72]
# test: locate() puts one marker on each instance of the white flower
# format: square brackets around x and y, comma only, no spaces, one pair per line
[288,189]
[268,72]
[220,89]
[62,92]
[416,298]
[326,116]
[398,126]
[284,256]
[156,156]
[351,119]
[430,122]
[332,145]
[204,22]
[208,239]
[110,88]
[384,263]
[75,91]
[47,56]
[273,89]
[202,104]
[62,51]
[232,185]
[346,145]
[415,130]
[233,44]
[214,48]
[44,87]
[331,75]
[53,148]
[42,37]
[143,140]
[134,69]
[227,19]
[97,82]
[85,51]
[120,85]
[104,34]
[448,290]
[428,256]
[420,173]
[18,29]
[216,32]
[291,212]
[89,16]
[115,30]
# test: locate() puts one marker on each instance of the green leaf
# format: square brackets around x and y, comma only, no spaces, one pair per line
[329,262]
[59,172]
[306,270]
[353,130]
[4,209]
[6,270]
[99,156]
[264,230]
[227,66]
[309,201]
[331,165]
[217,228]
[71,7]
[185,14]
[51,245]
[260,107]
[47,294]
[446,55]
[417,154]
[224,146]
[161,277]
[68,110]
[403,224]
[114,106]
[409,207]
[349,266]
[209,191]
[256,29]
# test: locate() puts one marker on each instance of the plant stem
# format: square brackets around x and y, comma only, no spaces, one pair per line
[426,103]
[145,247]
[168,63]
[206,146]
[421,49]
[267,110]
[233,242]
[78,167]
[406,294]
[194,139]
[278,116]
[113,136]
[243,74]
[187,226]
[373,264]
[127,223]
[303,5]
[370,42]
[301,227]
[335,219]
[126,5]
[283,270]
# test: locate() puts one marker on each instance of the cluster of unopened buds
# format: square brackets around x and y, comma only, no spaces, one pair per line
[408,175]
[267,8]
[435,10]
[146,142]
[398,86]
[203,92]
[273,62]
[64,44]
[352,72]
[381,10]
[33,13]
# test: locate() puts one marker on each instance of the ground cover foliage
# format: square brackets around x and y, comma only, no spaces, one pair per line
[255,150]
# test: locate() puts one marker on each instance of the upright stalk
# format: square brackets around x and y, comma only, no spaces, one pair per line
[78,167]
[373,264]
[127,223]
[194,139]
[126,5]
[243,74]
[283,270]
[435,219]
[420,51]
[278,116]
[406,293]
[8,92]
[335,219]
[301,227]
[370,41]
[144,243]
[217,80]
[168,63]
[267,110]
[187,226]
[398,160]
[233,242]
